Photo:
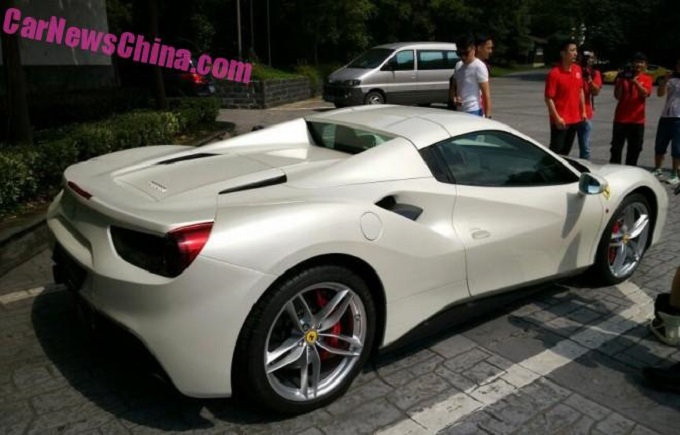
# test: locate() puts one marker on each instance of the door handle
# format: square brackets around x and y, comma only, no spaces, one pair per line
[480,234]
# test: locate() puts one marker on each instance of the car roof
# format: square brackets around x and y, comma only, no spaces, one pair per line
[422,45]
[420,125]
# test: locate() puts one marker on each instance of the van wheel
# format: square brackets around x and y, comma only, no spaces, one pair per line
[374,97]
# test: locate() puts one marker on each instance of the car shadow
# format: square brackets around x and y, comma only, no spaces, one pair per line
[615,367]
[119,376]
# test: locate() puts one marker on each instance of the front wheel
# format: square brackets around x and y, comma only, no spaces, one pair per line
[374,97]
[306,340]
[624,241]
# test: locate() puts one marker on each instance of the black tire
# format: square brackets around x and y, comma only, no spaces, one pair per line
[374,97]
[248,373]
[601,272]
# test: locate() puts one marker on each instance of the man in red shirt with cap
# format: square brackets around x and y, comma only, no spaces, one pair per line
[632,87]
[565,100]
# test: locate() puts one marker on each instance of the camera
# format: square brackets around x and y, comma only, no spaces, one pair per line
[586,74]
[627,72]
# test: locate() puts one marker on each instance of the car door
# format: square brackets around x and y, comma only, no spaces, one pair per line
[402,85]
[518,211]
[435,68]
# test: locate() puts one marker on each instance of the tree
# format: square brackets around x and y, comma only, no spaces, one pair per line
[158,87]
[18,120]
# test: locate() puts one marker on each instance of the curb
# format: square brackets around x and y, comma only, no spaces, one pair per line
[22,242]
[29,236]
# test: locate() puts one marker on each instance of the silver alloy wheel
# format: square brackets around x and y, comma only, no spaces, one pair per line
[374,98]
[628,239]
[315,341]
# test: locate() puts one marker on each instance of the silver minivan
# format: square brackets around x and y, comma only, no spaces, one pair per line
[400,73]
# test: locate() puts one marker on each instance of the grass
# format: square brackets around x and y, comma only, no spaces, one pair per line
[500,71]
[263,72]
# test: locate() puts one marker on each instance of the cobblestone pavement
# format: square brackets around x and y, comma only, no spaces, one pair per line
[565,360]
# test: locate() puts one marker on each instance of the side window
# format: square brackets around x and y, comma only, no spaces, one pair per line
[431,60]
[404,61]
[451,59]
[497,159]
[343,138]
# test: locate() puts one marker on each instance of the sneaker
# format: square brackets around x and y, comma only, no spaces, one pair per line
[658,173]
[673,180]
[666,328]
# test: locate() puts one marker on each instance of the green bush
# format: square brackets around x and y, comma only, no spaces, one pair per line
[52,110]
[29,172]
[312,73]
[194,112]
[263,72]
[18,182]
[53,158]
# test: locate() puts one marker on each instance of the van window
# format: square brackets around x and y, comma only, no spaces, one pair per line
[404,61]
[436,59]
[452,59]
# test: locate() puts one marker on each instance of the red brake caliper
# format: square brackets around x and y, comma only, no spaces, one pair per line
[612,250]
[336,329]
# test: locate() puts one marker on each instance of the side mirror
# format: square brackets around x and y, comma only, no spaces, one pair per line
[591,184]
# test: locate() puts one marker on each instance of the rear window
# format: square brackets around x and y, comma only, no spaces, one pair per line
[344,138]
[437,59]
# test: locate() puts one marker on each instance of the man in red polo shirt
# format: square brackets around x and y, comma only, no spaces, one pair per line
[632,87]
[565,100]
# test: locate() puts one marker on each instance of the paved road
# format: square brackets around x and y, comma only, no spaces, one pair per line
[565,360]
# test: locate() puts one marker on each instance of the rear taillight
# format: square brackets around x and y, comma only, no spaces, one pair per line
[167,255]
[79,190]
[188,242]
[197,79]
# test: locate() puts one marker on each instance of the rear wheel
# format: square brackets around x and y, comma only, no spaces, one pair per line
[624,241]
[306,340]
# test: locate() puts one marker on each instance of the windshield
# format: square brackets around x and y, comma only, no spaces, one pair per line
[371,59]
[343,138]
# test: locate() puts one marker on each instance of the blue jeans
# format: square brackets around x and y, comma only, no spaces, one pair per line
[583,133]
[478,112]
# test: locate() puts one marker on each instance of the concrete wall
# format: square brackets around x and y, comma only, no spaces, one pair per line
[264,94]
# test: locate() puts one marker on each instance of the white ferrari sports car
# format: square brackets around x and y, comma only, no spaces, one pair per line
[274,263]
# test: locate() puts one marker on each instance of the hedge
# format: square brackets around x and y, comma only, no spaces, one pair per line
[27,173]
[51,110]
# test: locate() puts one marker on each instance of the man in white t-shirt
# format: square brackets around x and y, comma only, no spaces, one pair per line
[668,130]
[469,78]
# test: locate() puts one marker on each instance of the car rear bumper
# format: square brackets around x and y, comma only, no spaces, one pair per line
[190,324]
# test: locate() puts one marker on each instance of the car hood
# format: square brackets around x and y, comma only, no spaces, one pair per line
[345,73]
[172,174]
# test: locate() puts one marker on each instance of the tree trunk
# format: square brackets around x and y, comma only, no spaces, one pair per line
[157,87]
[18,121]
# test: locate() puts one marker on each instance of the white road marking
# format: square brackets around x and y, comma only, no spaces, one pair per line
[445,413]
[30,293]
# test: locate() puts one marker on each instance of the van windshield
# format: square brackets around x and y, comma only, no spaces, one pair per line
[371,59]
